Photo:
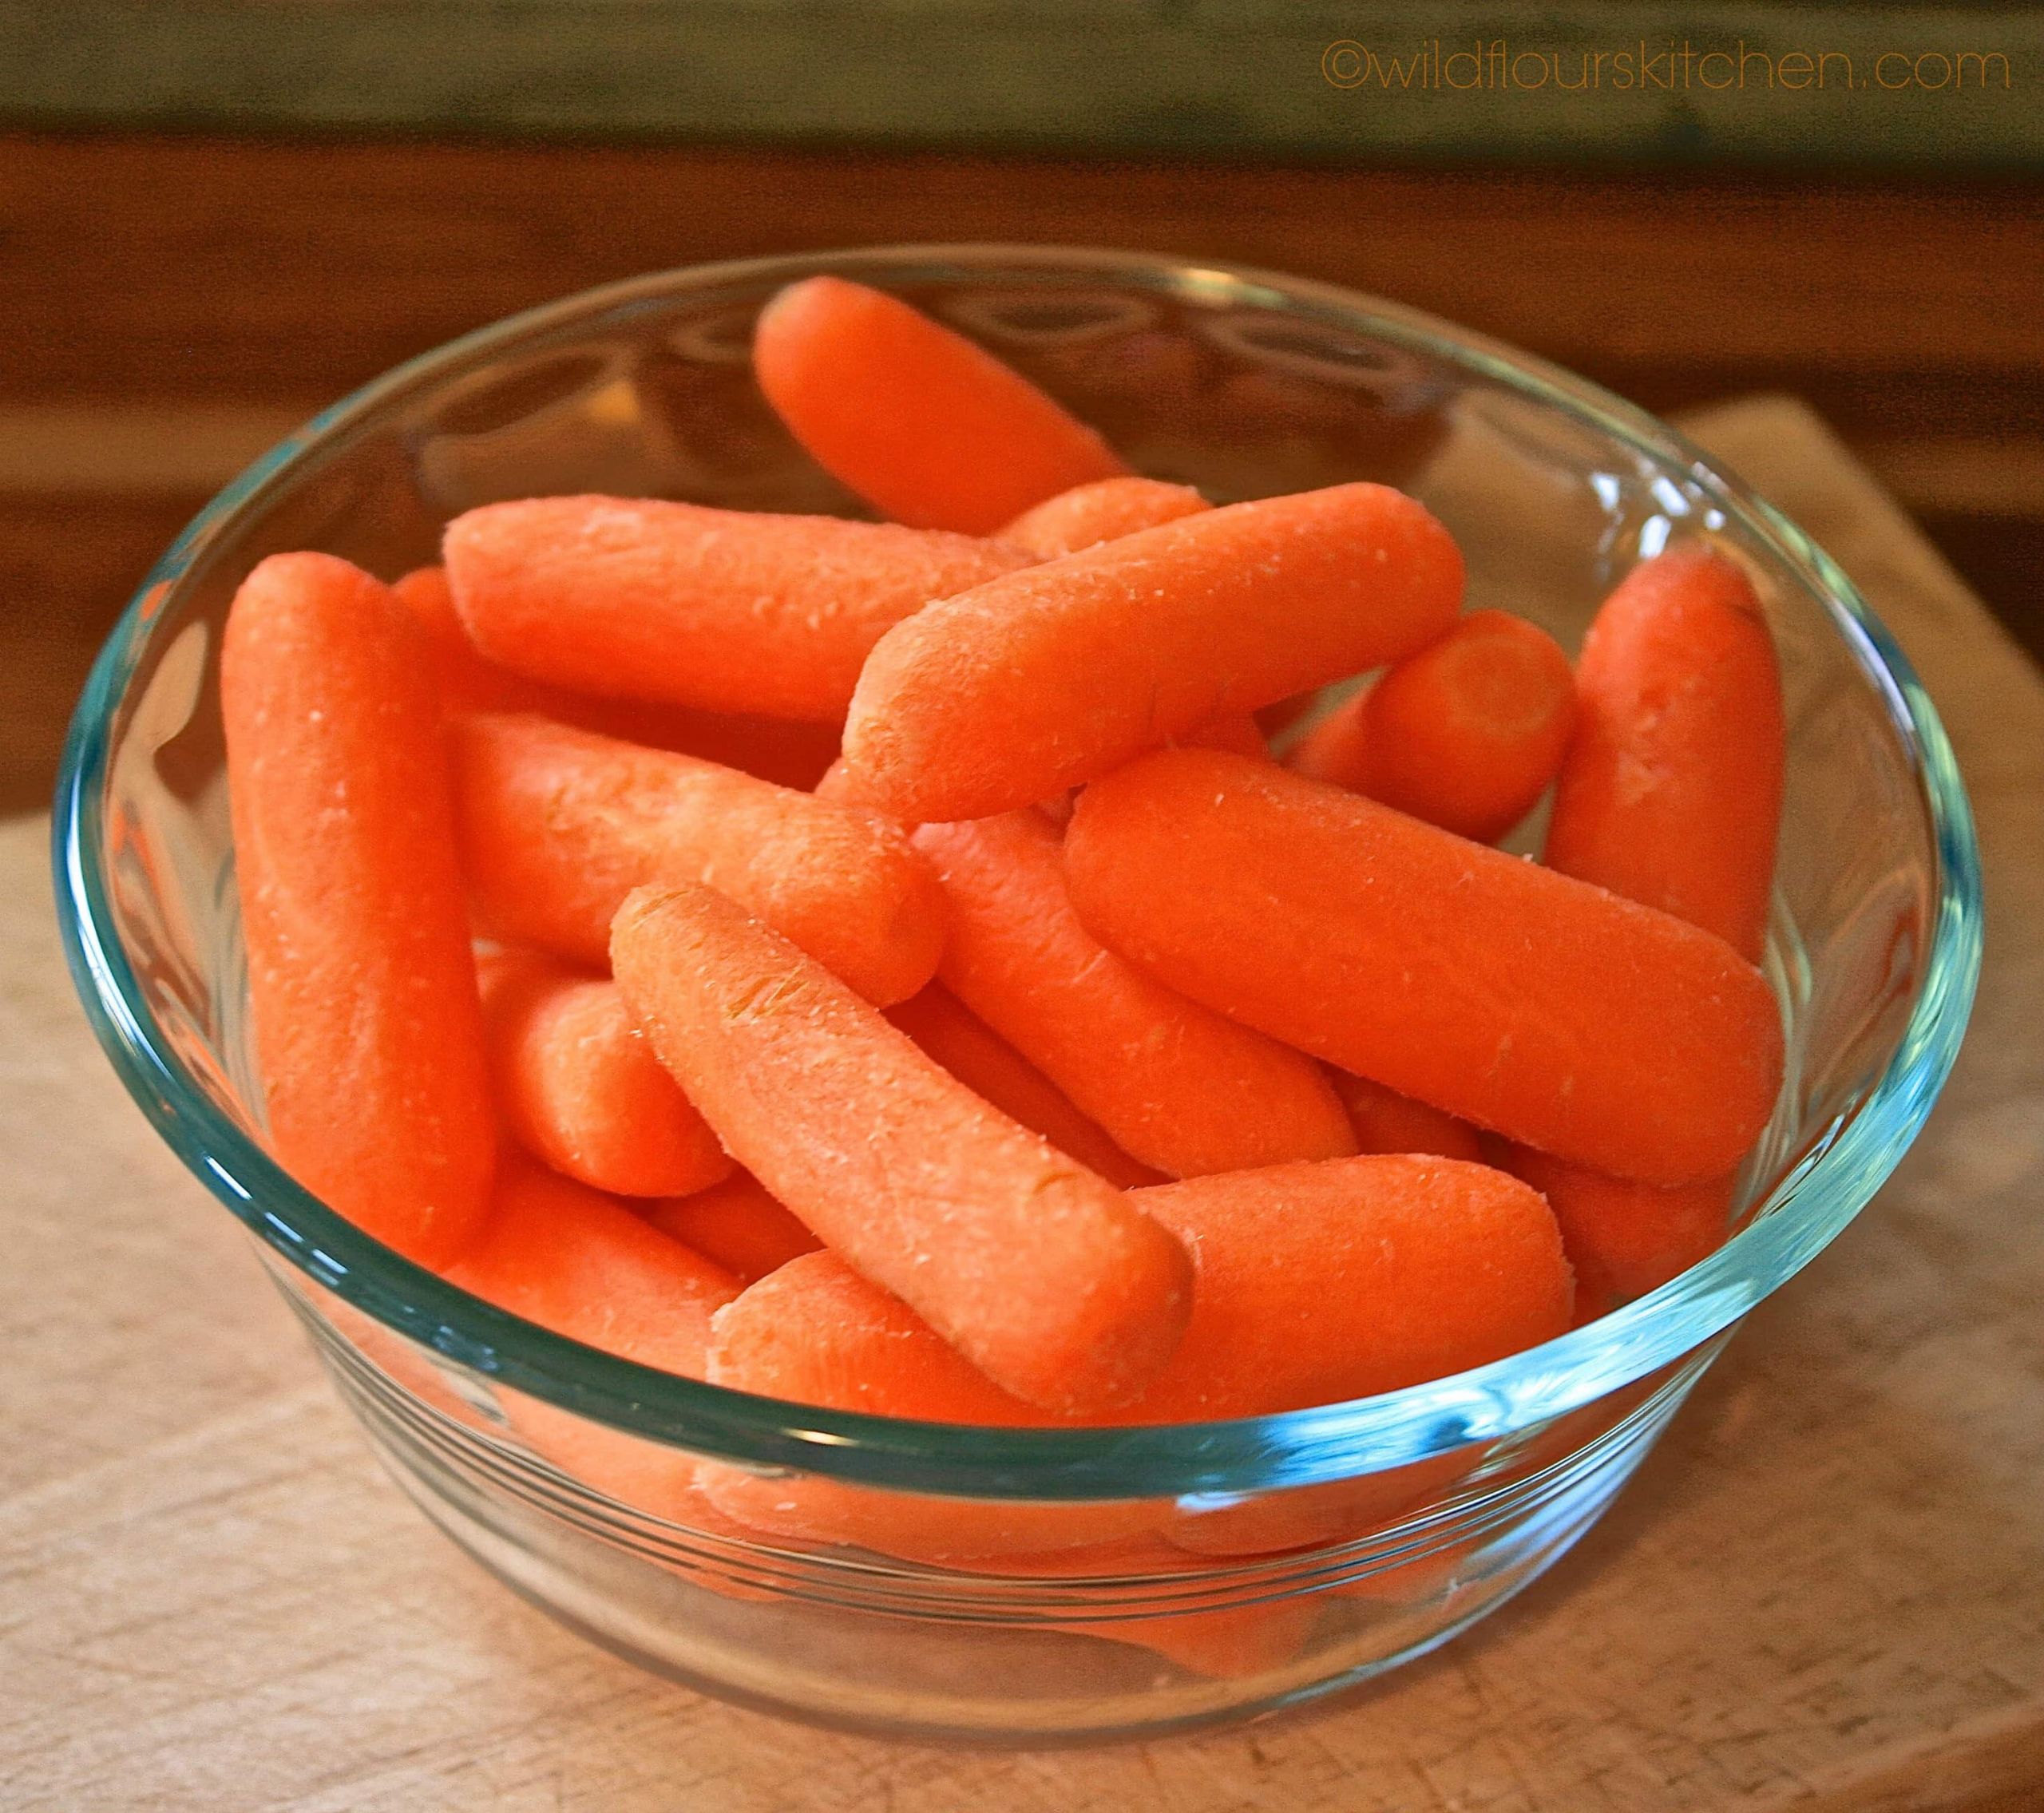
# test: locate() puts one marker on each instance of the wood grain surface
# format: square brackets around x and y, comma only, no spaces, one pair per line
[1820,1596]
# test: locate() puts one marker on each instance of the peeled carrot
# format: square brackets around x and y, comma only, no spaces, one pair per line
[1040,679]
[1625,1238]
[1089,514]
[1671,792]
[815,1332]
[792,754]
[989,1065]
[1671,795]
[582,1265]
[1466,734]
[1539,1007]
[1316,1283]
[725,610]
[581,1089]
[1173,1083]
[360,984]
[924,425]
[1385,1121]
[737,1224]
[558,826]
[1038,1270]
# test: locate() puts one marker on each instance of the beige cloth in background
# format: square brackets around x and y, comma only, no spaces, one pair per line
[1822,1592]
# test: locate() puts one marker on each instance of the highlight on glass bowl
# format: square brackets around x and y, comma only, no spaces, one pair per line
[1007,993]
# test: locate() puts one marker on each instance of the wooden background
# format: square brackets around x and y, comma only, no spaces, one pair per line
[174,303]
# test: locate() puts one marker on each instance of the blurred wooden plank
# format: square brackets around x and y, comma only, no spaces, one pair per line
[130,450]
[134,268]
[67,563]
[1565,80]
[1965,474]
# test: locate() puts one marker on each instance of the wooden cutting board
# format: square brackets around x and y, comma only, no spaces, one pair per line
[1824,1592]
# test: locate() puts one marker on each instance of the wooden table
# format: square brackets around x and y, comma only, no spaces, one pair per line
[1820,1596]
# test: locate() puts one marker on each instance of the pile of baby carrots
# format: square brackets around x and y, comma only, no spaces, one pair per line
[883,964]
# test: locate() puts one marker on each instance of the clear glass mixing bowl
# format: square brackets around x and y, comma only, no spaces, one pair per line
[1024,1586]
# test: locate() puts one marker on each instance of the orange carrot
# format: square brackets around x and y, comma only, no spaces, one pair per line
[1386,1122]
[927,427]
[989,1065]
[1671,792]
[1036,1268]
[1537,1006]
[737,1224]
[727,610]
[558,826]
[360,984]
[1040,679]
[1671,795]
[790,753]
[815,1332]
[1087,515]
[580,1089]
[1624,1238]
[1316,1283]
[1173,1083]
[584,1265]
[1465,734]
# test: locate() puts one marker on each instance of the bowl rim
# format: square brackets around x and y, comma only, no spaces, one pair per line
[1820,1194]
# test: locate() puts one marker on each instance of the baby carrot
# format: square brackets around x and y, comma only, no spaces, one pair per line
[1386,1122]
[1671,795]
[1038,680]
[791,754]
[558,826]
[815,1332]
[360,984]
[924,425]
[727,610]
[1671,791]
[1089,514]
[989,1065]
[1624,1238]
[1315,1283]
[1465,734]
[580,1089]
[736,1224]
[582,1265]
[1182,1088]
[1536,1006]
[1038,1270]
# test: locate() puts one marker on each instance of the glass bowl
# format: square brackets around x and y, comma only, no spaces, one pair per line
[1022,1586]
